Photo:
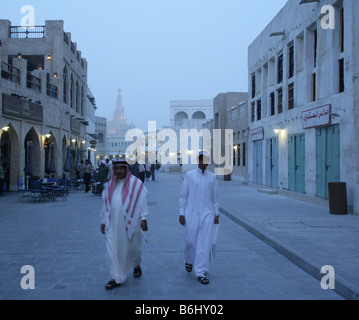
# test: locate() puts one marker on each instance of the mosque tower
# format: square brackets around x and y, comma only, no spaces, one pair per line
[118,126]
[119,114]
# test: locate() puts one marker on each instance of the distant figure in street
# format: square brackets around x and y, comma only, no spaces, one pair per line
[102,175]
[142,172]
[153,167]
[199,211]
[157,171]
[2,179]
[148,171]
[87,175]
[134,168]
[124,214]
[109,166]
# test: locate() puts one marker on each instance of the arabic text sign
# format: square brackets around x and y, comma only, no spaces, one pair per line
[257,134]
[316,117]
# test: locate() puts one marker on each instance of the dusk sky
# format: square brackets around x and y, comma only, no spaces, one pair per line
[157,50]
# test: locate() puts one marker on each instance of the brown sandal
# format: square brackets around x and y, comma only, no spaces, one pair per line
[137,273]
[204,280]
[112,285]
[189,267]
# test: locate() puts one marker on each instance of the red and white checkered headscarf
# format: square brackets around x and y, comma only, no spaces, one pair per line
[133,196]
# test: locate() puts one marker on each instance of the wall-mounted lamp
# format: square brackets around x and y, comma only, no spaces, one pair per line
[56,75]
[48,136]
[49,58]
[84,142]
[39,67]
[6,129]
[73,140]
[19,55]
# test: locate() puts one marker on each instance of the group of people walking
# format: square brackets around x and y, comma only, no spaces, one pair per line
[125,213]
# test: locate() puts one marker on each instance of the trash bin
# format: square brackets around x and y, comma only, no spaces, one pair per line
[338,203]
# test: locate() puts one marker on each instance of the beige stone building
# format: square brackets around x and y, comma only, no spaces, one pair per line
[43,98]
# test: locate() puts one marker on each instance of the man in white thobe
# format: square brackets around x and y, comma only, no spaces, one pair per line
[124,214]
[199,211]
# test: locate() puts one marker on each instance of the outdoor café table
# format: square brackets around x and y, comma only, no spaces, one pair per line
[48,186]
[57,191]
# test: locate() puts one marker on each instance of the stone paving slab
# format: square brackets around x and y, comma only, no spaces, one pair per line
[62,241]
[305,233]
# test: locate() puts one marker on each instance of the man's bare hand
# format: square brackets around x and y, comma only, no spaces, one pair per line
[182,220]
[103,228]
[144,226]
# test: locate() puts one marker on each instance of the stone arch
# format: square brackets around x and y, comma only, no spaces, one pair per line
[180,118]
[36,151]
[47,147]
[10,153]
[199,115]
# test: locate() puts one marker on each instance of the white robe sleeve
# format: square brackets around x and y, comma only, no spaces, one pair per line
[144,211]
[184,197]
[215,197]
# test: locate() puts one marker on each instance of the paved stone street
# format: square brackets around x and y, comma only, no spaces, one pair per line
[62,241]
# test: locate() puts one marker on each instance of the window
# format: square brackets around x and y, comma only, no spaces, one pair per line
[242,110]
[77,101]
[314,83]
[315,32]
[259,110]
[72,92]
[272,104]
[341,43]
[253,112]
[234,155]
[291,60]
[239,155]
[82,101]
[244,154]
[234,113]
[280,69]
[290,96]
[280,100]
[253,85]
[65,85]
[341,76]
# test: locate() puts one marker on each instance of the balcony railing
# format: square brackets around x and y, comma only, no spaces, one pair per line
[10,73]
[27,32]
[33,82]
[51,90]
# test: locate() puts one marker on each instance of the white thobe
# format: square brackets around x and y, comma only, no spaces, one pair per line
[123,255]
[199,204]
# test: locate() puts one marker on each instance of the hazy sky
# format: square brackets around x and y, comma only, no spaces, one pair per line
[157,50]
